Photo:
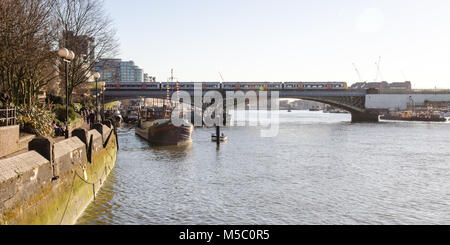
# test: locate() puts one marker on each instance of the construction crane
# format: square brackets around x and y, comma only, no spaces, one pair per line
[358,73]
[379,75]
[221,77]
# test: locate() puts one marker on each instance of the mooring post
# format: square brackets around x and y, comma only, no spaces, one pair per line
[218,135]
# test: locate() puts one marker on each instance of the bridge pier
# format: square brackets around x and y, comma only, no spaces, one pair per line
[364,117]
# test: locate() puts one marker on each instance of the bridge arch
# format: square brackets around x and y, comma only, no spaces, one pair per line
[354,105]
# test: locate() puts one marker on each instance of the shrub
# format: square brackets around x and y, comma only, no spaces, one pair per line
[56,100]
[35,120]
[60,112]
[77,106]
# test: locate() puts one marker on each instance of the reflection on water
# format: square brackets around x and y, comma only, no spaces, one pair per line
[175,153]
[320,169]
[104,205]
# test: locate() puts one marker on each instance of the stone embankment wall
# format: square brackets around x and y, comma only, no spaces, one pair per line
[53,183]
[9,140]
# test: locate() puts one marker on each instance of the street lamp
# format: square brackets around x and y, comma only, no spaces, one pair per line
[67,56]
[96,77]
[103,101]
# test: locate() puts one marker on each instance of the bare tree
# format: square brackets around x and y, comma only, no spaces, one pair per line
[25,48]
[32,30]
[84,28]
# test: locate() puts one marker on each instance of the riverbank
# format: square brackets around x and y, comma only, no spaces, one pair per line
[53,182]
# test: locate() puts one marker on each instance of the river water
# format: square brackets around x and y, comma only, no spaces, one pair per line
[320,169]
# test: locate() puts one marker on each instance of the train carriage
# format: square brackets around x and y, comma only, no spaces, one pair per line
[211,85]
[292,86]
[191,85]
[151,86]
[171,85]
[231,86]
[111,86]
[133,86]
[263,86]
[315,85]
[252,86]
[274,86]
[185,86]
[256,86]
[337,85]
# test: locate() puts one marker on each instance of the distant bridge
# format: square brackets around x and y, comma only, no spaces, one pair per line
[364,106]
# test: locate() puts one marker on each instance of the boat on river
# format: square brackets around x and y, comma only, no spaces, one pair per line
[157,128]
[413,116]
[130,115]
[222,138]
[315,109]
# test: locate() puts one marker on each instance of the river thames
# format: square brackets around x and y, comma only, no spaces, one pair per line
[320,169]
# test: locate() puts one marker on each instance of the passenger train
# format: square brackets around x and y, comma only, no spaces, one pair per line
[262,86]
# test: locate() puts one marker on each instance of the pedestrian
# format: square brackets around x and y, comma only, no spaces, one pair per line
[92,119]
[59,131]
[83,113]
[87,116]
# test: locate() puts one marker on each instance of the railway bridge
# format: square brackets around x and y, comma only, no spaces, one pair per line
[364,105]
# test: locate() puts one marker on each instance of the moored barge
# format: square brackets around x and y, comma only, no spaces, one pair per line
[156,127]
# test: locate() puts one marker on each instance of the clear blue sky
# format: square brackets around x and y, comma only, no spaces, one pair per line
[281,40]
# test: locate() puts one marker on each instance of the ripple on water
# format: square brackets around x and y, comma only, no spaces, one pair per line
[320,169]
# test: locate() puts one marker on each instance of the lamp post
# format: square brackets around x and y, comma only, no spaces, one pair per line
[96,77]
[67,56]
[103,101]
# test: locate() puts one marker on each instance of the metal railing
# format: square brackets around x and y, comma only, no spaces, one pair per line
[8,117]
